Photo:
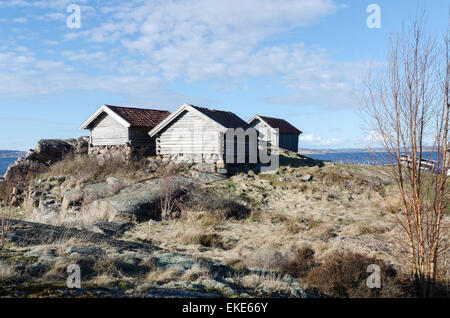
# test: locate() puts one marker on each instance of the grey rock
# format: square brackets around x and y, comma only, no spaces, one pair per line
[205,167]
[138,202]
[112,181]
[306,177]
[21,169]
[86,250]
[48,151]
[51,150]
[114,229]
[222,171]
[72,198]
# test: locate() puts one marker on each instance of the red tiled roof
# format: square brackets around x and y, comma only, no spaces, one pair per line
[139,117]
[282,125]
[226,119]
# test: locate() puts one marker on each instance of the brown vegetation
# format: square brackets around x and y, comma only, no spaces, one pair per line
[91,169]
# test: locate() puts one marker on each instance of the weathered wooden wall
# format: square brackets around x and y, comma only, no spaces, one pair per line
[188,134]
[107,131]
[289,142]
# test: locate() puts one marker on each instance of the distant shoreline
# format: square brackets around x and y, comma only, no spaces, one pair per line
[347,150]
[7,154]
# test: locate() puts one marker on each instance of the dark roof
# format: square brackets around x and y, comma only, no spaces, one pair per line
[281,124]
[139,117]
[226,119]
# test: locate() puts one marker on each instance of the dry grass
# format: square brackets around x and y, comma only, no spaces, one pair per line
[197,273]
[164,275]
[5,191]
[8,273]
[267,282]
[283,219]
[92,214]
[6,215]
[91,169]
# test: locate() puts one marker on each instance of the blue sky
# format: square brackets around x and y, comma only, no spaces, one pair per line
[302,60]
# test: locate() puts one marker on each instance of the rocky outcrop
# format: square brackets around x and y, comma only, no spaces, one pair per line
[47,152]
[138,202]
[23,168]
[64,198]
[53,150]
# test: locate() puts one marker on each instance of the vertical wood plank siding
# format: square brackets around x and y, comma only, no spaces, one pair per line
[107,131]
[188,134]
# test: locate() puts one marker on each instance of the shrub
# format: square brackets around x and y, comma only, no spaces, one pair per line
[168,199]
[211,240]
[226,207]
[300,263]
[344,275]
[267,258]
[208,240]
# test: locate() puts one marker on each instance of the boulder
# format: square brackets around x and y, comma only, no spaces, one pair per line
[51,150]
[205,167]
[138,202]
[48,151]
[80,146]
[72,198]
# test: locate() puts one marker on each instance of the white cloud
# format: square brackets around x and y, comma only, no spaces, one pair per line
[20,20]
[312,140]
[159,41]
[55,16]
[52,4]
[50,42]
[373,139]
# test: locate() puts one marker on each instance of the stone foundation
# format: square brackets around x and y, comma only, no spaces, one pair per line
[200,162]
[120,152]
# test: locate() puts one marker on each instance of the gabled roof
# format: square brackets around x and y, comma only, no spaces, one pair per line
[130,117]
[226,119]
[277,123]
[218,118]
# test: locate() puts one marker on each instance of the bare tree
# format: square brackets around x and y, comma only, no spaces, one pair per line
[407,107]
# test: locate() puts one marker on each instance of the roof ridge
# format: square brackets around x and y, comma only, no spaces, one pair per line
[273,118]
[213,109]
[137,108]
